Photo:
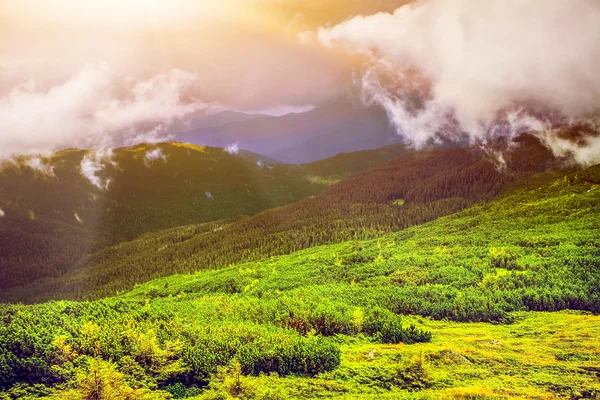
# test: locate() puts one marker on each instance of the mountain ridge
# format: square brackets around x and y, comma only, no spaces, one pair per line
[303,137]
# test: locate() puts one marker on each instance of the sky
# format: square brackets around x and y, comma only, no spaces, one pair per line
[244,53]
[94,73]
[91,73]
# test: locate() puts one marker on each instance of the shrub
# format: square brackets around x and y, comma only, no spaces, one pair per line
[387,327]
[258,350]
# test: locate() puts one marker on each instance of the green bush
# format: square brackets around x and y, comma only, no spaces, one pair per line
[387,327]
[259,350]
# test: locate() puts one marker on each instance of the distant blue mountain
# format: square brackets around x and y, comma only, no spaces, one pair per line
[297,138]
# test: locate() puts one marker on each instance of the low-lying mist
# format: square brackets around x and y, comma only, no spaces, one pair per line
[461,69]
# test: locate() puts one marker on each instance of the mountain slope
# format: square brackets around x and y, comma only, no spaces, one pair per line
[54,216]
[536,249]
[326,319]
[413,188]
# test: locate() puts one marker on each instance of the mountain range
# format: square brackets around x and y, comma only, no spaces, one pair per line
[296,138]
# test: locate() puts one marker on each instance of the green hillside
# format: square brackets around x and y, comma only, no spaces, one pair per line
[147,187]
[409,189]
[536,249]
[486,290]
[54,216]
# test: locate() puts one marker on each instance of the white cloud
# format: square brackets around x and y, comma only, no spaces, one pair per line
[78,218]
[40,165]
[94,109]
[2,213]
[587,154]
[454,67]
[94,162]
[209,195]
[154,155]
[232,148]
[259,163]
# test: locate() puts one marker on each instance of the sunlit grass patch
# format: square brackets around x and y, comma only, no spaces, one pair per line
[190,146]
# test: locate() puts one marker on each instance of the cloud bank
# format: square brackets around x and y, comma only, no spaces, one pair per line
[94,109]
[93,163]
[455,67]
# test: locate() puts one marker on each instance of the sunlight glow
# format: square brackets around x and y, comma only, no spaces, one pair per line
[109,12]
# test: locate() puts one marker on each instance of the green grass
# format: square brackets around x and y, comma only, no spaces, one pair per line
[539,356]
